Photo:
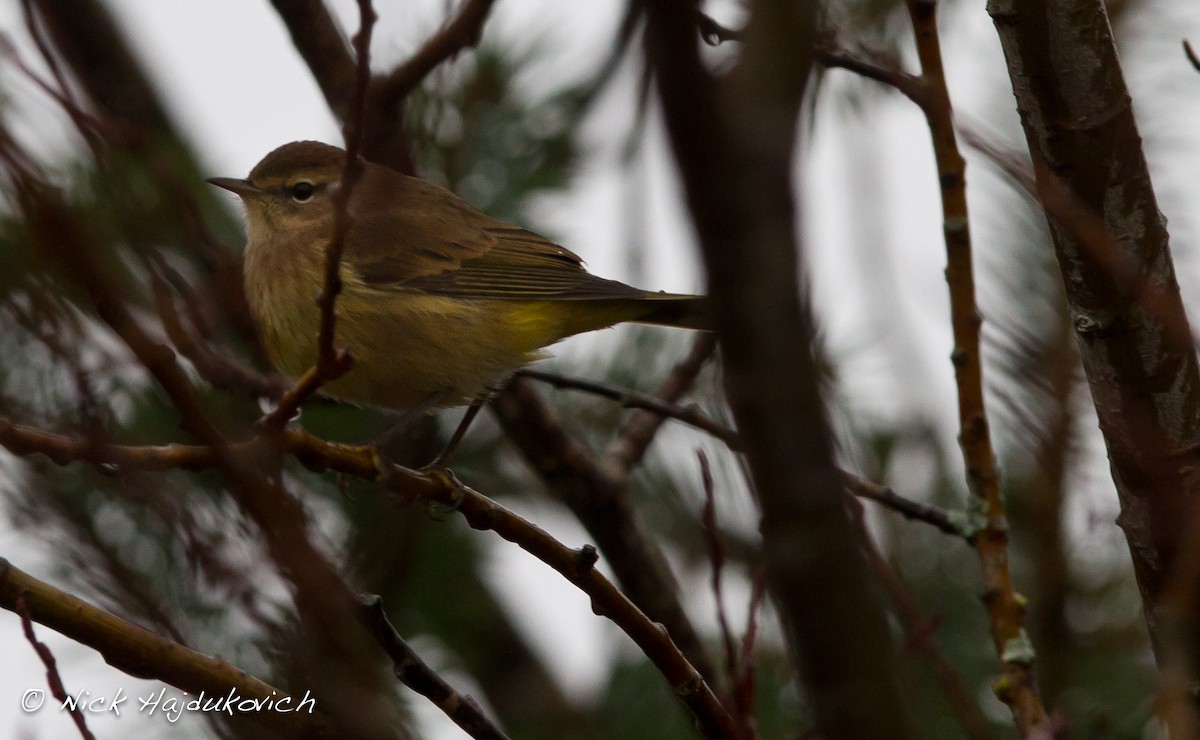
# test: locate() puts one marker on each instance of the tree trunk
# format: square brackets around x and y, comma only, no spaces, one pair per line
[1112,247]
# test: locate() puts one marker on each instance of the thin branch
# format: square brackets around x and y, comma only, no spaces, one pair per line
[418,676]
[442,488]
[598,496]
[1006,610]
[57,689]
[939,518]
[875,65]
[716,552]
[138,652]
[331,362]
[578,567]
[219,370]
[631,399]
[639,430]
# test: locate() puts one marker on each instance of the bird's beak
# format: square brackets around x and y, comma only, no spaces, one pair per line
[243,188]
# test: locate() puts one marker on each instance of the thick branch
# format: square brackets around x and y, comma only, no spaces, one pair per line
[1139,361]
[321,43]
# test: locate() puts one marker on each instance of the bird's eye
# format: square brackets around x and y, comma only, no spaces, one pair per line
[302,191]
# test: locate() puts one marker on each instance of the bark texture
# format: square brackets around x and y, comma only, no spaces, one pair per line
[1112,247]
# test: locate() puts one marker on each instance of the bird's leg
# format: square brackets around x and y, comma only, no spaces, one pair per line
[443,459]
[408,417]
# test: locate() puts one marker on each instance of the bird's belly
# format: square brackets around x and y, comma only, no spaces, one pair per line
[406,346]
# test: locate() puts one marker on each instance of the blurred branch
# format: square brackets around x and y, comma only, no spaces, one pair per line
[460,33]
[323,47]
[138,652]
[220,370]
[627,398]
[875,65]
[919,632]
[1191,55]
[639,430]
[735,672]
[734,141]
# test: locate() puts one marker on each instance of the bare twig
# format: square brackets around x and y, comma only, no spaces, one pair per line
[442,488]
[332,362]
[57,689]
[875,65]
[417,675]
[940,518]
[631,399]
[639,430]
[1006,609]
[598,495]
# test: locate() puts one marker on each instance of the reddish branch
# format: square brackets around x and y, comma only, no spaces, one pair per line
[919,631]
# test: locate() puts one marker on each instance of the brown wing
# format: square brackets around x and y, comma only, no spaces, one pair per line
[404,228]
[523,265]
[410,234]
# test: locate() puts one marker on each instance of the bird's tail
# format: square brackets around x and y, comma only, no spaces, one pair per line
[680,311]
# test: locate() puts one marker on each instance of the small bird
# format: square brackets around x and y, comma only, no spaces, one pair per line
[440,301]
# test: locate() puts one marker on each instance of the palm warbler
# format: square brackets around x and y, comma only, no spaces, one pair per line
[439,300]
